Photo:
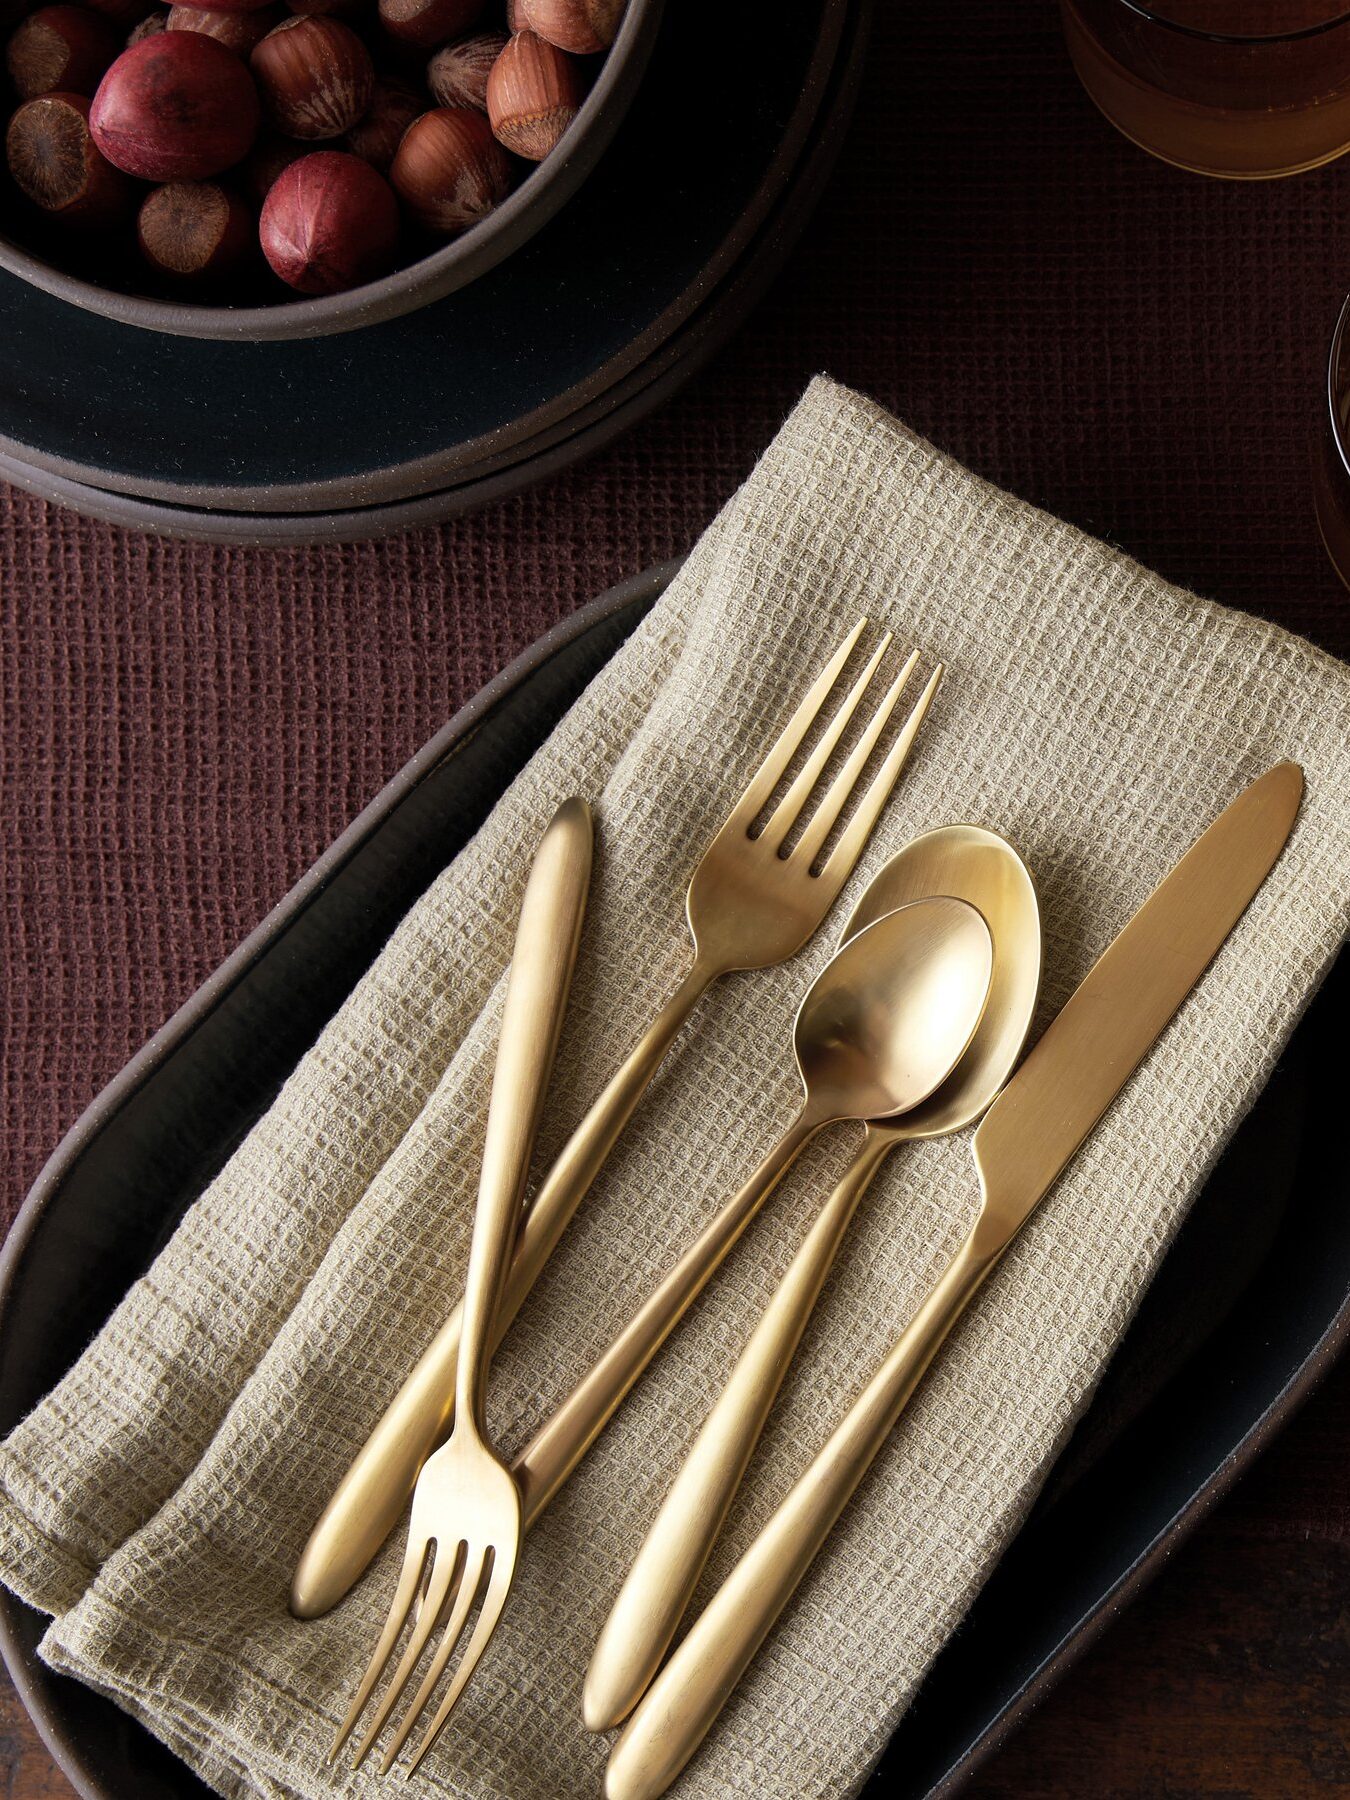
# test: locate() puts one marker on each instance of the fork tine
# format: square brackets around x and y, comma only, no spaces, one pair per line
[454,1628]
[827,813]
[410,1576]
[839,863]
[435,1599]
[784,815]
[493,1601]
[770,772]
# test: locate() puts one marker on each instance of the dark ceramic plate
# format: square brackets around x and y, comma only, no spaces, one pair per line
[592,425]
[431,276]
[1249,1308]
[414,404]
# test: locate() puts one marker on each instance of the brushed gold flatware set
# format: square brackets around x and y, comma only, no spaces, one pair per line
[913,1029]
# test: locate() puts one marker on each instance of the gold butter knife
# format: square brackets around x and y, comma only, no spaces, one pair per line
[1030,1133]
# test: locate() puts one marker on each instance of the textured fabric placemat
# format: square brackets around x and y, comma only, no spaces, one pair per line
[158,1499]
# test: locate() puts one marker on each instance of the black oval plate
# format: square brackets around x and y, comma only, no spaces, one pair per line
[411,405]
[1251,1305]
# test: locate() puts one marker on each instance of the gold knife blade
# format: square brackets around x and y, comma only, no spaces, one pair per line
[1124,1002]
[1081,1063]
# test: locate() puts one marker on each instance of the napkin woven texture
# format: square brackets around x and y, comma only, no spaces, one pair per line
[156,1501]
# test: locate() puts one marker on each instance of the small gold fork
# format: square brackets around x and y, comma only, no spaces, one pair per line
[466,1515]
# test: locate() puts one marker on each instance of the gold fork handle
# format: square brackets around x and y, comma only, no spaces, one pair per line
[680,1706]
[665,1572]
[559,1445]
[366,1504]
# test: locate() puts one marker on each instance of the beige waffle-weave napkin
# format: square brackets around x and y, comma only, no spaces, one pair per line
[157,1501]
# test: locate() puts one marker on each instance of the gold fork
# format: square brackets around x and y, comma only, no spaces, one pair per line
[749,906]
[465,1527]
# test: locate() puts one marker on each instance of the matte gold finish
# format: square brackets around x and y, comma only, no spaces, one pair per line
[748,906]
[881,1026]
[465,1528]
[970,864]
[1029,1134]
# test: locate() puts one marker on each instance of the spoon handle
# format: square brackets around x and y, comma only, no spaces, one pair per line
[678,1709]
[561,1442]
[659,1585]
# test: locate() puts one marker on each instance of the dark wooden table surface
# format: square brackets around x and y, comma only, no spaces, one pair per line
[182,730]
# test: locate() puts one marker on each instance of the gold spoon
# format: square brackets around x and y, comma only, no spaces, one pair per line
[984,870]
[882,1025]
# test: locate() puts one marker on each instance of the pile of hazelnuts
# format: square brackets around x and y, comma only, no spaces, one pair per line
[333,138]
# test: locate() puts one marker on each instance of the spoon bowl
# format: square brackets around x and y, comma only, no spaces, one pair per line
[889,1018]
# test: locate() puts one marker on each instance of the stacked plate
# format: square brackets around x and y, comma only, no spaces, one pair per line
[640,277]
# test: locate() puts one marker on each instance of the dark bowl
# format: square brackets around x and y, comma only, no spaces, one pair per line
[540,195]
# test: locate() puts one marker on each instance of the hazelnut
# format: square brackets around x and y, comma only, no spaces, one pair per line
[316,77]
[150,26]
[427,23]
[581,26]
[60,49]
[450,171]
[56,163]
[329,223]
[458,73]
[269,156]
[532,94]
[376,137]
[195,232]
[238,31]
[177,107]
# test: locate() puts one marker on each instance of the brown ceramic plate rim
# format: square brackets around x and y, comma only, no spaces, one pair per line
[447,467]
[581,434]
[636,593]
[482,247]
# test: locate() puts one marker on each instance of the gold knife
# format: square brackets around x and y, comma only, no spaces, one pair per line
[1032,1130]
[542,961]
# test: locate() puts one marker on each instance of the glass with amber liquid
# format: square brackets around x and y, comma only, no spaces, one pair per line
[1246,89]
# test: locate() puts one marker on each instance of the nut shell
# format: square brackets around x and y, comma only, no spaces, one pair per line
[329,223]
[60,50]
[457,74]
[238,31]
[376,137]
[582,27]
[316,77]
[195,233]
[176,107]
[450,171]
[533,94]
[427,23]
[55,162]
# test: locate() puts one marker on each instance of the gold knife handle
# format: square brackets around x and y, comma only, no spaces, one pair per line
[367,1503]
[676,1712]
[561,1442]
[371,1495]
[665,1572]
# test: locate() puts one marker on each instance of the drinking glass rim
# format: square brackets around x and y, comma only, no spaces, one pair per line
[1227,37]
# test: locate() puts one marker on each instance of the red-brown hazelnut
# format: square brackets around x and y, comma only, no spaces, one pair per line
[581,26]
[427,23]
[195,232]
[329,223]
[458,73]
[60,50]
[177,107]
[532,95]
[316,77]
[450,171]
[150,26]
[269,156]
[238,31]
[55,162]
[392,111]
